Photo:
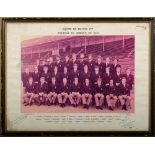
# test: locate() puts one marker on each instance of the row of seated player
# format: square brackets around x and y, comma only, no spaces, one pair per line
[44,94]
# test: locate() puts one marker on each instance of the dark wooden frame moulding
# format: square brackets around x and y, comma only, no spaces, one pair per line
[151,132]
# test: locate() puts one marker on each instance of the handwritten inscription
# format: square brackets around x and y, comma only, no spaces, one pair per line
[141,27]
[126,122]
[20,119]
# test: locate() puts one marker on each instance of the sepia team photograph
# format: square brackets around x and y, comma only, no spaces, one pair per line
[77,74]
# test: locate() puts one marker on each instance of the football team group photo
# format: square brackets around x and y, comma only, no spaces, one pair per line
[77,73]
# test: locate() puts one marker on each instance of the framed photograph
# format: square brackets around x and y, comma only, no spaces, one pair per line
[77,76]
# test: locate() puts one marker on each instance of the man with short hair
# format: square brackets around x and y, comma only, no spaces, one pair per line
[86,94]
[74,61]
[111,95]
[117,79]
[29,92]
[85,75]
[46,74]
[58,64]
[99,94]
[129,78]
[42,90]
[82,62]
[107,64]
[124,94]
[75,95]
[91,63]
[39,66]
[95,75]
[52,91]
[74,73]
[100,64]
[107,76]
[66,63]
[36,75]
[25,76]
[64,90]
[115,65]
[50,65]
[56,74]
[66,74]
[118,76]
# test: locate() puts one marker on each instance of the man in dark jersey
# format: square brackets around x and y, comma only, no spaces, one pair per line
[100,64]
[58,63]
[114,66]
[50,65]
[74,73]
[74,61]
[64,91]
[107,76]
[67,63]
[42,90]
[107,64]
[65,74]
[118,76]
[111,95]
[56,74]
[46,75]
[129,78]
[25,76]
[75,95]
[95,75]
[29,92]
[90,63]
[82,62]
[117,79]
[41,65]
[36,75]
[99,94]
[52,91]
[85,75]
[86,94]
[124,94]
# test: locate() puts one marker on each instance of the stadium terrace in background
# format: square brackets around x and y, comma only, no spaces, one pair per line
[78,74]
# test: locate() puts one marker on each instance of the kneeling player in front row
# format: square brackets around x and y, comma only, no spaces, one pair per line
[53,90]
[99,94]
[111,96]
[86,94]
[29,92]
[63,95]
[42,89]
[75,96]
[124,94]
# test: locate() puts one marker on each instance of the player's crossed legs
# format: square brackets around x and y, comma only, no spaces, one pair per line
[75,99]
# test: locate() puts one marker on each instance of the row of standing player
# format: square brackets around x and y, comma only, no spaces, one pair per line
[82,69]
[67,62]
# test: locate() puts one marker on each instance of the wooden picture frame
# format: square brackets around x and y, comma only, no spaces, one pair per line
[127,129]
